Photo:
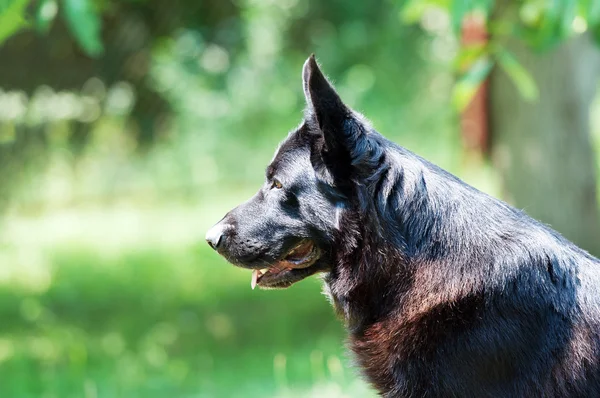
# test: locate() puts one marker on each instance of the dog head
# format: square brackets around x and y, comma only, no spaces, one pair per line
[290,228]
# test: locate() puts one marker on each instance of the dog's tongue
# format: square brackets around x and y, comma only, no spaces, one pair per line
[254,279]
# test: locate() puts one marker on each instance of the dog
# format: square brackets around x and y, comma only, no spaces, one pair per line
[444,290]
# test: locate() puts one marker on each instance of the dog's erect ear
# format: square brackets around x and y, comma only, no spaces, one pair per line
[345,138]
[321,98]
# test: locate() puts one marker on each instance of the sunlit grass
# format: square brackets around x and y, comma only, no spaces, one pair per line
[90,310]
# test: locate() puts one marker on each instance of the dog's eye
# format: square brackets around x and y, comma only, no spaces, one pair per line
[276,184]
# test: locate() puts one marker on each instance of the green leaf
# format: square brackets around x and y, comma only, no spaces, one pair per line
[45,14]
[468,84]
[519,75]
[85,24]
[12,17]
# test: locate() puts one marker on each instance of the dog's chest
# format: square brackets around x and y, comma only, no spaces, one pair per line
[384,345]
[374,352]
[373,345]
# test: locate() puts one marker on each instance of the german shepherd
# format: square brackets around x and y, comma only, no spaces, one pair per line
[444,290]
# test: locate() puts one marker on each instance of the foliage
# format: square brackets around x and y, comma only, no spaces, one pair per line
[478,61]
[82,16]
[12,17]
[540,24]
[223,87]
[84,21]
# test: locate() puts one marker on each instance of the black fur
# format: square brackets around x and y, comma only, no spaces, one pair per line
[445,291]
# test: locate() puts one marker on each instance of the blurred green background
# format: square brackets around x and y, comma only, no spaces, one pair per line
[128,128]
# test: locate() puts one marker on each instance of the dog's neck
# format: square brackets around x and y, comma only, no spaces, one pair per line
[360,284]
[361,292]
[366,263]
[389,289]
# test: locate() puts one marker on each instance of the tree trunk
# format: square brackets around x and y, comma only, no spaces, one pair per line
[543,149]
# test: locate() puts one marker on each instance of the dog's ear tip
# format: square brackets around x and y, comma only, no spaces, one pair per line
[311,61]
[309,65]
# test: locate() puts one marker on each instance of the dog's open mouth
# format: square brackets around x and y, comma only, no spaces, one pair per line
[293,267]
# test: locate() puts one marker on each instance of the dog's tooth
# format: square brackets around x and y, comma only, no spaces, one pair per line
[264,271]
[254,279]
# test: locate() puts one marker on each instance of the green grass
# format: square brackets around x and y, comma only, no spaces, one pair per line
[158,322]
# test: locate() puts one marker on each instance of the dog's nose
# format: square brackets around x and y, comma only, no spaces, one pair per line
[214,236]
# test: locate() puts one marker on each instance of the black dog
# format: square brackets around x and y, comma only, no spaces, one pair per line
[445,291]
